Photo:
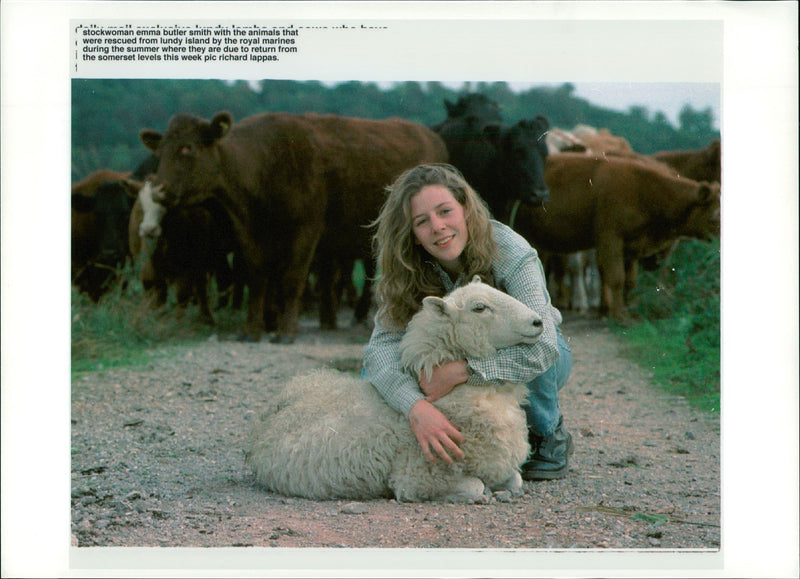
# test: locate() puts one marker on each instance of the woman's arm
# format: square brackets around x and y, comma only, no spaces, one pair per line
[522,363]
[383,369]
[444,378]
[435,433]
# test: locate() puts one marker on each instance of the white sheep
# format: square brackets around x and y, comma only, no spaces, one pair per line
[329,435]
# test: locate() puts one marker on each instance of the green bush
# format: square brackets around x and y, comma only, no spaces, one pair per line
[123,327]
[677,332]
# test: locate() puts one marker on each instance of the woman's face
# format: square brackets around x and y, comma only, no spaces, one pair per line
[438,223]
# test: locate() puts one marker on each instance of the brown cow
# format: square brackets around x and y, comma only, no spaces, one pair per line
[292,185]
[699,164]
[624,208]
[602,141]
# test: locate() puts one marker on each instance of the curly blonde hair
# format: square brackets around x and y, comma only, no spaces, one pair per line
[405,276]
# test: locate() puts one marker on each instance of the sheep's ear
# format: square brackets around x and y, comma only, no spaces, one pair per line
[476,279]
[436,305]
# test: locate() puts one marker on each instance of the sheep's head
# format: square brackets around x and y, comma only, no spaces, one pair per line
[474,320]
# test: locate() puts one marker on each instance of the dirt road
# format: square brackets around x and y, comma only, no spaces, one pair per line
[157,460]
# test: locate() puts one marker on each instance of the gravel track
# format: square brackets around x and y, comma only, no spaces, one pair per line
[157,460]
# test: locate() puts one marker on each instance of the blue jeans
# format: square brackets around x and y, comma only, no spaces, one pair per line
[543,411]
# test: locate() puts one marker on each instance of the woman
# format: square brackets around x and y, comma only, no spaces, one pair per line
[433,234]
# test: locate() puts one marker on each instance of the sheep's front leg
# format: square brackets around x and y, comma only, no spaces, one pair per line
[513,484]
[466,490]
[415,479]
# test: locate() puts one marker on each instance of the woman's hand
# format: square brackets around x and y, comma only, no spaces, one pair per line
[435,433]
[444,379]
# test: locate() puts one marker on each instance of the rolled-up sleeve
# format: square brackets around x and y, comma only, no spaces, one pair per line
[383,369]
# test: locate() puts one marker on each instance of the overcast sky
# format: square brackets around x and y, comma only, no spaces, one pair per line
[668,98]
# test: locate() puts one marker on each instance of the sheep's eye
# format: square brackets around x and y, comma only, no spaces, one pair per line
[478,308]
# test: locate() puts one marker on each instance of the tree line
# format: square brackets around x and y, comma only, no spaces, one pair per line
[108,114]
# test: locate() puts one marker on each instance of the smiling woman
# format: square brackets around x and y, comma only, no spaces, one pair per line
[433,235]
[439,225]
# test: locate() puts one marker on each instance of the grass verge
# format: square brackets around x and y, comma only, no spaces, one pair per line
[677,336]
[123,329]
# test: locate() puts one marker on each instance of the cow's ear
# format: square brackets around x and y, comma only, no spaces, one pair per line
[83,203]
[150,138]
[493,133]
[708,193]
[541,123]
[131,187]
[220,125]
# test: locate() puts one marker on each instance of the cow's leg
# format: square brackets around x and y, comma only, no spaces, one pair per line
[631,274]
[576,263]
[184,291]
[365,301]
[665,258]
[254,325]
[326,288]
[201,293]
[592,278]
[223,273]
[273,304]
[294,280]
[556,279]
[611,261]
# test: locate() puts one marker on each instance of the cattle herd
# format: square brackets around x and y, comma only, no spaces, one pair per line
[275,200]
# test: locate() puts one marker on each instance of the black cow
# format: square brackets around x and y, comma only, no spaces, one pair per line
[475,105]
[101,207]
[186,246]
[503,164]
[100,211]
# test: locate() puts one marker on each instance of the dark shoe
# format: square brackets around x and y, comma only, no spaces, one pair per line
[549,455]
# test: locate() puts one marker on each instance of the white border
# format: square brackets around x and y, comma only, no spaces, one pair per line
[760,297]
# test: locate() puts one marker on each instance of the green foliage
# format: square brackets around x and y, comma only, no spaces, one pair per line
[124,330]
[679,339]
[108,114]
[678,335]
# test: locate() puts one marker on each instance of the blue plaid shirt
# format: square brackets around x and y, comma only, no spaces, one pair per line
[518,272]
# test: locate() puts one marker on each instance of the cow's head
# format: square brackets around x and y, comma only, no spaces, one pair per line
[474,105]
[188,156]
[523,152]
[703,220]
[108,211]
[110,208]
[713,159]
